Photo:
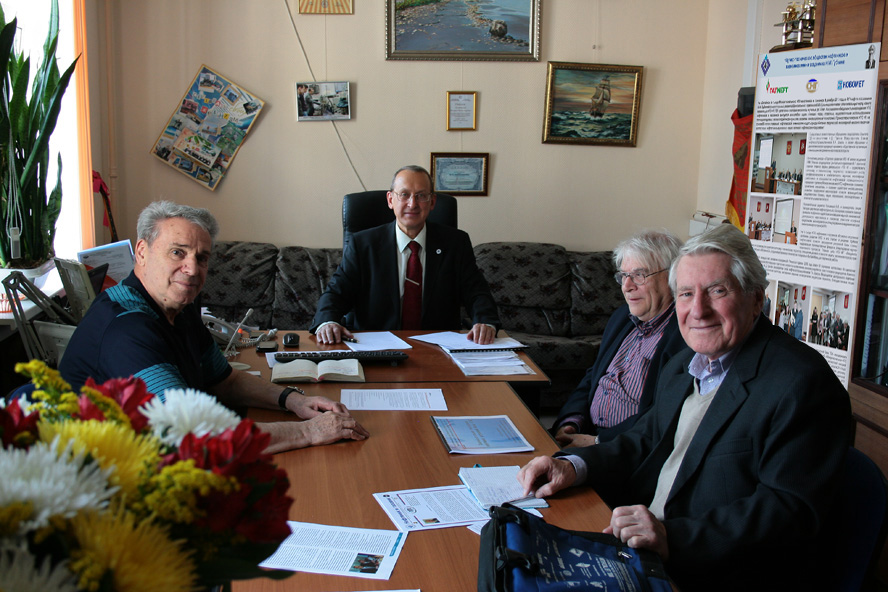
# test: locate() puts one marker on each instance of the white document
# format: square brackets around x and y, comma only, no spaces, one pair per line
[435,507]
[494,486]
[338,551]
[452,341]
[490,363]
[393,399]
[376,341]
[119,257]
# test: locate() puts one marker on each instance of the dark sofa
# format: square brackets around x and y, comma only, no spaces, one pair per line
[554,300]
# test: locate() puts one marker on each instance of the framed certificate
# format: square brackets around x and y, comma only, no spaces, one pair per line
[461,111]
[460,173]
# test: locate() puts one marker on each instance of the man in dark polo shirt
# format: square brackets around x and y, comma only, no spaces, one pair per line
[149,327]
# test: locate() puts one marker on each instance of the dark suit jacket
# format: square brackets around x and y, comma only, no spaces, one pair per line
[618,327]
[366,282]
[758,476]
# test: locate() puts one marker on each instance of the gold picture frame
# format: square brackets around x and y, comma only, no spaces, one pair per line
[326,7]
[592,104]
[460,173]
[486,32]
[461,111]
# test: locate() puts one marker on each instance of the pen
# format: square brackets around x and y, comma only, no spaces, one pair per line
[350,339]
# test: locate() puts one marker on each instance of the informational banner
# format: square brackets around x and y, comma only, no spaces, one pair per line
[812,140]
[207,128]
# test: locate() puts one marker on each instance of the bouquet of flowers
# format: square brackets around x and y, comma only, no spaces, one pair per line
[114,489]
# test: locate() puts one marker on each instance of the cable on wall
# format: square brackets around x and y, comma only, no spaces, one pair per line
[314,79]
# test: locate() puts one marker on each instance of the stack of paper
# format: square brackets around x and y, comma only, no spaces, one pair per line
[450,341]
[489,363]
[494,486]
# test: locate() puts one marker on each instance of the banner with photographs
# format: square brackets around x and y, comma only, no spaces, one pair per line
[208,127]
[809,173]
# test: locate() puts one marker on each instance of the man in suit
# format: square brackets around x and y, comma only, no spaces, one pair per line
[640,337]
[729,475]
[409,274]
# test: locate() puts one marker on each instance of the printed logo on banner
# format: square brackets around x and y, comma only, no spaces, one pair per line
[766,65]
[812,85]
[843,84]
[774,90]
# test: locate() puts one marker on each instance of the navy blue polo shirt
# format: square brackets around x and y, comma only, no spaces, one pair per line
[125,333]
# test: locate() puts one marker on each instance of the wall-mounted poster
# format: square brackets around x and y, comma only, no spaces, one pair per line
[207,128]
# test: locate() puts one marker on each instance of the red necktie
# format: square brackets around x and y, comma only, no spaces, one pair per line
[411,306]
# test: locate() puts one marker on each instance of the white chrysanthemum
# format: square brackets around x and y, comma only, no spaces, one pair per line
[55,483]
[19,572]
[23,402]
[185,411]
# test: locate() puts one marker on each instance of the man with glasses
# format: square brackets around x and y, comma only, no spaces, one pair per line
[639,339]
[729,475]
[409,274]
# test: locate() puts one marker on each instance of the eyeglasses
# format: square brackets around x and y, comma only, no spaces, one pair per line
[638,277]
[419,197]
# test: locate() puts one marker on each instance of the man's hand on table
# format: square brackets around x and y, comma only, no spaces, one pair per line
[544,476]
[331,333]
[482,334]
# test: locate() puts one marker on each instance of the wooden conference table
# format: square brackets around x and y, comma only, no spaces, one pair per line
[335,484]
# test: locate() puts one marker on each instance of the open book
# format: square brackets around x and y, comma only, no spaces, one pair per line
[347,370]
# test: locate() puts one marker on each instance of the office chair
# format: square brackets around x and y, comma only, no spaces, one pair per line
[368,209]
[854,531]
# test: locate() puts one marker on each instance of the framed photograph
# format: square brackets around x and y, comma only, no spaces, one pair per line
[322,101]
[489,30]
[326,7]
[460,173]
[461,111]
[592,104]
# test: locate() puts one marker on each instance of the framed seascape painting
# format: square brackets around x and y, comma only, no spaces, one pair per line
[460,173]
[462,30]
[592,104]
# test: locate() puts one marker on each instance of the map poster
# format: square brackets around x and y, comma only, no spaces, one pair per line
[207,128]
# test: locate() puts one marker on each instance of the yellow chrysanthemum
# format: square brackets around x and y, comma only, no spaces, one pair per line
[12,515]
[110,444]
[175,490]
[137,556]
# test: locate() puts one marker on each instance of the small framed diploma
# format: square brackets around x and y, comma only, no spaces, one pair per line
[461,111]
[460,173]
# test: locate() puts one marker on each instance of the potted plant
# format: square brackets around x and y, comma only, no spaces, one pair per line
[28,213]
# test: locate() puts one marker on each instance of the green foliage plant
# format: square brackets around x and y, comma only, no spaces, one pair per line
[26,123]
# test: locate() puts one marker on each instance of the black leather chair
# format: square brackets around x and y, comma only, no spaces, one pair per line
[368,209]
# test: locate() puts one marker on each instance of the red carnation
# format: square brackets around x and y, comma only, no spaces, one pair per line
[130,393]
[17,430]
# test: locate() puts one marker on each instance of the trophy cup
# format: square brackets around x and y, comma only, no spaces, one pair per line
[798,26]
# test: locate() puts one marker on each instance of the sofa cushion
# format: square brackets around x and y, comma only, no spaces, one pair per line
[594,293]
[302,276]
[530,283]
[241,277]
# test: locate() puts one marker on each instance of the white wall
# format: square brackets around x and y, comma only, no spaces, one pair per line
[286,183]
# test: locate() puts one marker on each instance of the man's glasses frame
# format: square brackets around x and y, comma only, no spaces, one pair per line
[638,277]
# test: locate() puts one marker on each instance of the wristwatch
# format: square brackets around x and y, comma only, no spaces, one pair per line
[282,399]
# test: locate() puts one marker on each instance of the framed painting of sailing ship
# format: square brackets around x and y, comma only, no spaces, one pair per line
[460,173]
[464,30]
[592,104]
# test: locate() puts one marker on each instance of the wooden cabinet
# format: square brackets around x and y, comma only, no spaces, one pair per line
[869,355]
[846,22]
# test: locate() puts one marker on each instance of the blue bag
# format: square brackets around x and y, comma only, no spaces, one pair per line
[522,553]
